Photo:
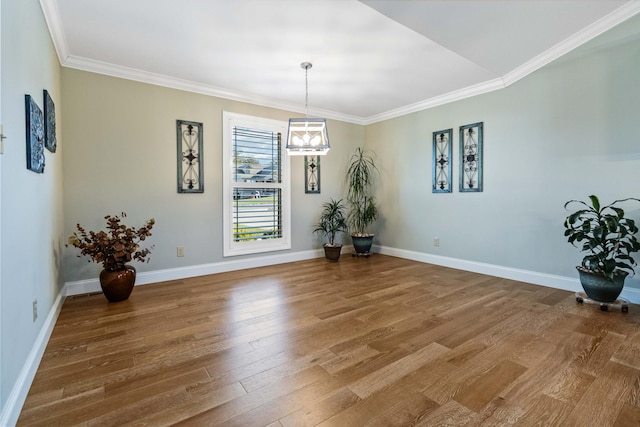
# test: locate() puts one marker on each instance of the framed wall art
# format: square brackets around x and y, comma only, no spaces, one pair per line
[190,167]
[35,135]
[442,152]
[471,139]
[312,174]
[50,142]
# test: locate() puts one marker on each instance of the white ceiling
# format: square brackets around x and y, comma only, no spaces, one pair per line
[372,59]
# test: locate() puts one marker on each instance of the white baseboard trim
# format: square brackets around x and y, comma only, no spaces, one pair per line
[527,276]
[93,285]
[11,411]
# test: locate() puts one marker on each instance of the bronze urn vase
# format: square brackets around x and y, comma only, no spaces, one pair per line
[117,285]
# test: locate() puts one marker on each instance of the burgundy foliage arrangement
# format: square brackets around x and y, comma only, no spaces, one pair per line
[115,247]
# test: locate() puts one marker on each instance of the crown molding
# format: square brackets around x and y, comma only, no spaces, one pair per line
[456,95]
[54,23]
[134,74]
[52,17]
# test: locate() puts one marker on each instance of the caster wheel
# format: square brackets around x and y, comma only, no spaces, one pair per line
[625,309]
[604,308]
[353,255]
[580,300]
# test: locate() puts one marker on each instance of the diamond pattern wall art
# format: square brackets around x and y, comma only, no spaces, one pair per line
[442,152]
[471,139]
[190,167]
[312,174]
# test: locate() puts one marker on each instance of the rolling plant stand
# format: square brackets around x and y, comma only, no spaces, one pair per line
[620,303]
[364,254]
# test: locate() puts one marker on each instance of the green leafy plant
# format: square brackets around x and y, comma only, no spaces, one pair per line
[115,247]
[244,233]
[606,235]
[361,176]
[332,220]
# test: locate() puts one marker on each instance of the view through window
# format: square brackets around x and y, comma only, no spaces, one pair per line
[256,200]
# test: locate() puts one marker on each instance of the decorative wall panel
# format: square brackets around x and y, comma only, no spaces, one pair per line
[312,174]
[50,142]
[471,140]
[190,161]
[35,135]
[442,152]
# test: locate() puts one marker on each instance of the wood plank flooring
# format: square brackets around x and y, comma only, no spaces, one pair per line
[377,341]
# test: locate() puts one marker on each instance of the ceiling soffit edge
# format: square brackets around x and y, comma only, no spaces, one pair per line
[586,34]
[576,40]
[52,18]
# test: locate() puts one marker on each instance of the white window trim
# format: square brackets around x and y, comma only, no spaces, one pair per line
[232,248]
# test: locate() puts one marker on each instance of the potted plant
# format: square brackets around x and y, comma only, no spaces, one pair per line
[361,177]
[114,248]
[608,238]
[331,222]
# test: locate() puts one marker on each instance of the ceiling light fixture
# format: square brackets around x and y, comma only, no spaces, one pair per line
[307,136]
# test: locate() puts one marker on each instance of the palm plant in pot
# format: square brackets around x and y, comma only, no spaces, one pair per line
[114,248]
[361,178]
[608,238]
[332,221]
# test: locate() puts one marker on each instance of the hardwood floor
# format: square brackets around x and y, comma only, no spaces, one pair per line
[376,341]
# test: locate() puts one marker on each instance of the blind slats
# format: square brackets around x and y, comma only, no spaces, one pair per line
[257,212]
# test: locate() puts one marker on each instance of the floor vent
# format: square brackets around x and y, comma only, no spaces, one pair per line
[83,295]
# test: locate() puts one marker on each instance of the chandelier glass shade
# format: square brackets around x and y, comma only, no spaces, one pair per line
[307,136]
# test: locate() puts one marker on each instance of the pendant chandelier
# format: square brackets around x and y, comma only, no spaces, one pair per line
[307,136]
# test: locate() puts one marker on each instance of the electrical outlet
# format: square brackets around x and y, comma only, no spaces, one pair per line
[180,251]
[35,309]
[436,241]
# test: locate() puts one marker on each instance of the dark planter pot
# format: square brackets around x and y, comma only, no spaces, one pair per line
[117,285]
[362,244]
[332,253]
[599,288]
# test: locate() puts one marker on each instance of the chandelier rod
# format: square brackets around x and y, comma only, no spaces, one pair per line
[306,66]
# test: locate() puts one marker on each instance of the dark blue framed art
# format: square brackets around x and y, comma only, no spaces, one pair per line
[50,142]
[35,135]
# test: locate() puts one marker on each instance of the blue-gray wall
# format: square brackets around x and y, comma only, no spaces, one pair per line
[31,215]
[564,132]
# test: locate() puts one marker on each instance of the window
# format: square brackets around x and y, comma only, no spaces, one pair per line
[256,185]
